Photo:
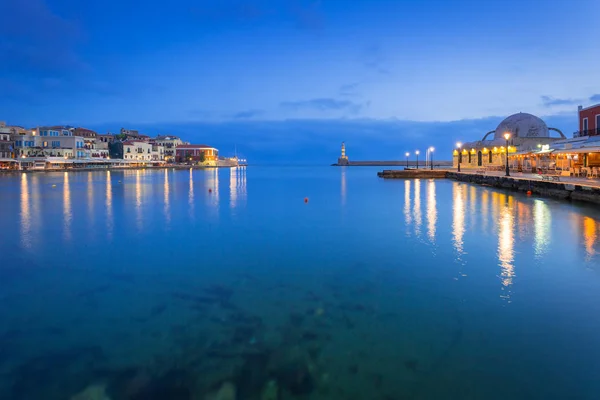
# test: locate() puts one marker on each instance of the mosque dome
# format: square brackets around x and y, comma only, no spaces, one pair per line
[522,125]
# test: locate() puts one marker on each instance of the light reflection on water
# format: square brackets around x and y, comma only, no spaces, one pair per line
[458,219]
[166,191]
[431,211]
[67,213]
[506,242]
[542,223]
[108,205]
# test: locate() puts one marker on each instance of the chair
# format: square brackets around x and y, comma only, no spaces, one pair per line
[576,172]
[594,173]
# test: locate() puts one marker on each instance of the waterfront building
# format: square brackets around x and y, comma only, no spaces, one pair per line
[197,153]
[49,142]
[137,151]
[6,143]
[528,134]
[578,156]
[170,143]
[589,121]
[97,149]
[105,138]
[133,134]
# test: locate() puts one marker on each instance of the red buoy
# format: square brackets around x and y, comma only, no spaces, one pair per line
[529,193]
[306,199]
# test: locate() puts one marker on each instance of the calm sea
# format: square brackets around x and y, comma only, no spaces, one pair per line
[293,283]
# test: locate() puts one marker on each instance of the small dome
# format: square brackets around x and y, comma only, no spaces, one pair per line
[522,125]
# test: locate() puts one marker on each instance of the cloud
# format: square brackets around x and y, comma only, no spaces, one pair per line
[595,98]
[324,104]
[548,101]
[247,114]
[349,90]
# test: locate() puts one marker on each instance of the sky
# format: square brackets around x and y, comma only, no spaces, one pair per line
[287,81]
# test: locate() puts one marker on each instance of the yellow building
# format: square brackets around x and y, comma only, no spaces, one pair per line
[526,132]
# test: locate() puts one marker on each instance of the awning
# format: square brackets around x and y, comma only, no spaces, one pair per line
[545,151]
[580,150]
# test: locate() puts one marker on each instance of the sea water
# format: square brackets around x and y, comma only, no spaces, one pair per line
[293,283]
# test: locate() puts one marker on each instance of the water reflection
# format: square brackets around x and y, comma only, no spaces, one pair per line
[138,201]
[485,209]
[431,211]
[212,186]
[67,216]
[25,213]
[542,219]
[108,204]
[506,253]
[458,219]
[590,235]
[90,199]
[417,207]
[407,213]
[237,185]
[191,194]
[167,210]
[343,188]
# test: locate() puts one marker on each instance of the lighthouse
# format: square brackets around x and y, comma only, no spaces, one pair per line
[343,159]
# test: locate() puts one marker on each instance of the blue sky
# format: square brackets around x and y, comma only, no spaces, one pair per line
[384,75]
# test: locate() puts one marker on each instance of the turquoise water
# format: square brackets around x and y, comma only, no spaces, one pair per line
[181,284]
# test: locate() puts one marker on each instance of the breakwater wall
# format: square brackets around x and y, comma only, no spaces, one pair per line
[413,174]
[560,190]
[436,164]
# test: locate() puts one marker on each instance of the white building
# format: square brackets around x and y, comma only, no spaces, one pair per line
[170,143]
[142,151]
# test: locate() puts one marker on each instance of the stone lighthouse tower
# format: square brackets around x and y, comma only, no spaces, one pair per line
[343,159]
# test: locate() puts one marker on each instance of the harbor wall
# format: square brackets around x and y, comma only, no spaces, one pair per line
[560,190]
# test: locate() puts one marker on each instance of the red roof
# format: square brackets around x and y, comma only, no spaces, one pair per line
[194,146]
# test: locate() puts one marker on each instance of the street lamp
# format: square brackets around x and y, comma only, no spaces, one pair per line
[431,157]
[417,153]
[407,154]
[459,145]
[507,136]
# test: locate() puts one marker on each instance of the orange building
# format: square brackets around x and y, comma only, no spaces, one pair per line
[196,153]
[589,121]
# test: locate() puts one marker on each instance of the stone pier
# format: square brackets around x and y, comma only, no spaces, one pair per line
[560,190]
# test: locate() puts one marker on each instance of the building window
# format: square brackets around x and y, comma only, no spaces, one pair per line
[490,157]
[469,157]
[45,144]
[585,124]
[598,123]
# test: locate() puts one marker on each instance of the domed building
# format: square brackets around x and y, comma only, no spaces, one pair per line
[527,134]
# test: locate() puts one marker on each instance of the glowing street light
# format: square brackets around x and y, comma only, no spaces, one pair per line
[430,151]
[417,153]
[407,154]
[507,136]
[459,146]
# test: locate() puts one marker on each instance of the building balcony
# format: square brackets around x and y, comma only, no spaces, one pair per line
[589,132]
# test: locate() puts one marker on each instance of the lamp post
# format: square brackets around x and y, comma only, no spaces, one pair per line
[459,145]
[417,153]
[507,136]
[431,157]
[407,154]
